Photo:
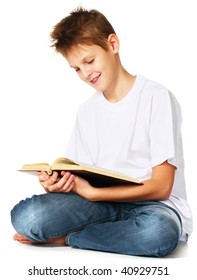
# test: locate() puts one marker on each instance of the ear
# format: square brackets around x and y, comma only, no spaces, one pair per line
[113,42]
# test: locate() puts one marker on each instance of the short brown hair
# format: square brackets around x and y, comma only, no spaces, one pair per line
[81,26]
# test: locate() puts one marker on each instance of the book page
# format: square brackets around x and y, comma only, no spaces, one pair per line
[63,161]
[41,166]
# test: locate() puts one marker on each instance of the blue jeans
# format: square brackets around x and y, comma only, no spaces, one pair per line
[142,228]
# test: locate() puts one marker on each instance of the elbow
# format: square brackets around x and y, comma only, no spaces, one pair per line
[157,190]
[165,196]
[165,192]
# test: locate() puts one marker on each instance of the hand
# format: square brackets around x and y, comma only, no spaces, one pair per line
[84,189]
[54,183]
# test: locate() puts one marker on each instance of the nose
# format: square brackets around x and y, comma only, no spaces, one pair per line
[86,72]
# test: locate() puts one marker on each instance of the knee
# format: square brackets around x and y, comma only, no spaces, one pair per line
[164,236]
[26,217]
[163,243]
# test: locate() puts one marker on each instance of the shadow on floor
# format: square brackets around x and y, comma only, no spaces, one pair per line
[181,251]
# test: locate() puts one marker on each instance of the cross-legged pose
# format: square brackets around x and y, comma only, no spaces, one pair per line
[131,125]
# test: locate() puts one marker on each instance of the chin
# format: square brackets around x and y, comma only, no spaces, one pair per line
[97,87]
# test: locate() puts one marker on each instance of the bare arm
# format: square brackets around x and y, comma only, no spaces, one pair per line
[157,188]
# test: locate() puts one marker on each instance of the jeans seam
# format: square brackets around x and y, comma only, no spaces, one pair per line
[69,234]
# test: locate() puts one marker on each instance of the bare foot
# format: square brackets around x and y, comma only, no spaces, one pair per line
[53,241]
[22,239]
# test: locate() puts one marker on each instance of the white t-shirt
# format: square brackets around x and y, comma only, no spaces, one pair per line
[133,135]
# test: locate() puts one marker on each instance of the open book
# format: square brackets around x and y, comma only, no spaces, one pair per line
[97,177]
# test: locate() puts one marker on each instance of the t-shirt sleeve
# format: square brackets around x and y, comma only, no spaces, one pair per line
[165,129]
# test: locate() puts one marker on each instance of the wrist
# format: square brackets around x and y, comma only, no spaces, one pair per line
[92,194]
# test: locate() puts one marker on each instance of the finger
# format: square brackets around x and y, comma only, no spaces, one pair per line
[51,180]
[68,189]
[69,184]
[54,184]
[64,183]
[65,180]
[43,176]
[63,172]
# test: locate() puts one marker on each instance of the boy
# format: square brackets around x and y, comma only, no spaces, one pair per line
[130,125]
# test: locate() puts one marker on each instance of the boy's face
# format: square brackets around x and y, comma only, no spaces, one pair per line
[94,65]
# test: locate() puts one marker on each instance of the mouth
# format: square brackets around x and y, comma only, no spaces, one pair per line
[95,80]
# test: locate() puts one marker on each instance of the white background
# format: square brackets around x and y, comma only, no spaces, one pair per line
[40,95]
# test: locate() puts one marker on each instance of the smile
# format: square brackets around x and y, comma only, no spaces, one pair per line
[94,81]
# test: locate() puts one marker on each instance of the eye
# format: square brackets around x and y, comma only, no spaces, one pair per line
[77,69]
[91,61]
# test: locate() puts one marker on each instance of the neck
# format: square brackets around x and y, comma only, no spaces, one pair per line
[121,86]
